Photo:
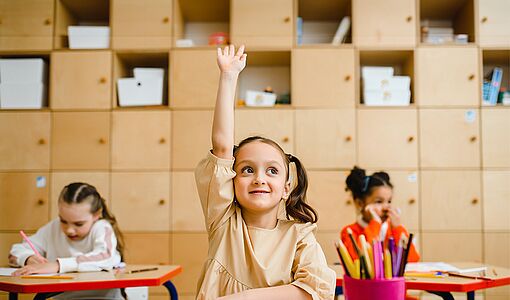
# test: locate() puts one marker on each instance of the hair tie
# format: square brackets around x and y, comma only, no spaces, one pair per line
[366,180]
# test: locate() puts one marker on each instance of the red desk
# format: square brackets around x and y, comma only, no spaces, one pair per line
[93,281]
[445,286]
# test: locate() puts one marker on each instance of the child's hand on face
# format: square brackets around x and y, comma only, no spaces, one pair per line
[34,259]
[231,62]
[374,212]
[48,267]
[394,216]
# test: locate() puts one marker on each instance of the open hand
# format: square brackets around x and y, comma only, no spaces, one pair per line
[230,61]
[49,267]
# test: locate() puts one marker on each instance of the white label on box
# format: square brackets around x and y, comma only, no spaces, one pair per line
[470,116]
[412,177]
[40,181]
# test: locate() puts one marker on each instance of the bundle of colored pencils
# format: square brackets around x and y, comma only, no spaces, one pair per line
[375,261]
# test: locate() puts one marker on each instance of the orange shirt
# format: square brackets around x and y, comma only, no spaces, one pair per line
[371,232]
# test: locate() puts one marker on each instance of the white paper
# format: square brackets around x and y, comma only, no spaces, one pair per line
[430,267]
[7,271]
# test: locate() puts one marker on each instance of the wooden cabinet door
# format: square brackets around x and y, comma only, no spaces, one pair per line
[25,141]
[187,212]
[186,89]
[81,141]
[497,250]
[100,180]
[262,23]
[327,195]
[495,138]
[190,258]
[138,24]
[147,248]
[80,80]
[24,202]
[493,23]
[26,24]
[191,138]
[276,124]
[449,138]
[451,200]
[326,138]
[496,195]
[387,138]
[140,201]
[141,140]
[452,246]
[447,76]
[384,23]
[333,88]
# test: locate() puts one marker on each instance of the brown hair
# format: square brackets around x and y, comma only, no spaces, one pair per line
[78,192]
[295,205]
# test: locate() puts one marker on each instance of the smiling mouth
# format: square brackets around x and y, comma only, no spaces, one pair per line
[74,237]
[259,192]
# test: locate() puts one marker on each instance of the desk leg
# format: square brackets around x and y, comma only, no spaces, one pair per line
[471,295]
[43,296]
[13,296]
[444,295]
[171,290]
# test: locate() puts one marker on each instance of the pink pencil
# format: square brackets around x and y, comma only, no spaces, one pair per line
[25,237]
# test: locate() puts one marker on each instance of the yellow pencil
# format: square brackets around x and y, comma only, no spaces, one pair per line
[364,249]
[357,273]
[388,272]
[47,277]
[423,274]
[347,259]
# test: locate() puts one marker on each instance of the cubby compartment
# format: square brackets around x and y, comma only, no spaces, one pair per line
[447,22]
[201,22]
[496,73]
[391,83]
[268,72]
[137,71]
[79,13]
[24,81]
[324,22]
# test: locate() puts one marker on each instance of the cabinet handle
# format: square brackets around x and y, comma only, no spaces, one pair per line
[484,19]
[162,140]
[409,19]
[166,19]
[40,201]
[102,141]
[348,202]
[47,22]
[473,139]
[347,77]
[41,142]
[412,201]
[471,77]
[285,139]
[162,201]
[474,201]
[102,80]
[410,139]
[286,20]
[348,138]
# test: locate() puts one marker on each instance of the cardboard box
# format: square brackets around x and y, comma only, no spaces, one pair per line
[140,92]
[22,95]
[23,70]
[387,97]
[89,37]
[256,98]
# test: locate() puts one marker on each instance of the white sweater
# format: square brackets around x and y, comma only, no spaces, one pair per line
[96,252]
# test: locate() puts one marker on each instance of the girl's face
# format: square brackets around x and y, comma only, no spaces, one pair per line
[76,219]
[261,180]
[380,200]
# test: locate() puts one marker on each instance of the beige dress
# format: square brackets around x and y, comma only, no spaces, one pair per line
[241,257]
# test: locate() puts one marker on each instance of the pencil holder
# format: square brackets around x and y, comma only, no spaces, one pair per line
[381,289]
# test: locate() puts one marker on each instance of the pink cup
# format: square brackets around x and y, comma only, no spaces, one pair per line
[380,289]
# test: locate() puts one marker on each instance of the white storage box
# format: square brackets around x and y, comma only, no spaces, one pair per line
[22,70]
[89,37]
[387,83]
[140,92]
[387,97]
[146,73]
[367,72]
[256,98]
[22,95]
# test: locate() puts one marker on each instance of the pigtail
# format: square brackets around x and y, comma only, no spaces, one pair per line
[356,182]
[296,205]
[108,216]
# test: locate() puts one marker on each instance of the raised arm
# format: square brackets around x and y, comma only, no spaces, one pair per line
[231,63]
